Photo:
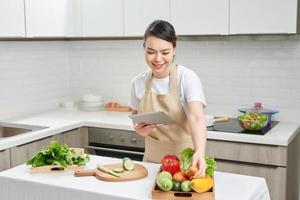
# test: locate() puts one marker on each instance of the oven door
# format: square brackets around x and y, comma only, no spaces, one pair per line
[116,143]
[115,152]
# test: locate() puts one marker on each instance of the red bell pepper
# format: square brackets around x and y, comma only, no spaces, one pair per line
[171,164]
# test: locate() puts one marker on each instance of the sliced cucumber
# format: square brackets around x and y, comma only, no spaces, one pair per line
[119,170]
[128,164]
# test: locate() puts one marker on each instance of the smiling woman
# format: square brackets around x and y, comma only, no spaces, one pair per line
[173,89]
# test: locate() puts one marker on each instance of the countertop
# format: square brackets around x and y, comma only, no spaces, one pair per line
[61,120]
[63,185]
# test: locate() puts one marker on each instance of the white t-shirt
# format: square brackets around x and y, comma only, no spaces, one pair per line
[188,83]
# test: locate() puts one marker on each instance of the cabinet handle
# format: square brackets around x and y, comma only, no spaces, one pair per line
[115,150]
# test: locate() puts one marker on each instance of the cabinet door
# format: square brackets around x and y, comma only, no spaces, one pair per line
[4,159]
[12,22]
[275,176]
[263,16]
[74,138]
[51,18]
[102,18]
[138,14]
[20,154]
[200,17]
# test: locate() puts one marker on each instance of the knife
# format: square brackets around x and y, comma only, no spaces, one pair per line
[109,171]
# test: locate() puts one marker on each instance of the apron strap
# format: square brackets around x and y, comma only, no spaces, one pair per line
[173,79]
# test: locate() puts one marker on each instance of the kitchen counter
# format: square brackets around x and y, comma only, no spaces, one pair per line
[19,184]
[62,120]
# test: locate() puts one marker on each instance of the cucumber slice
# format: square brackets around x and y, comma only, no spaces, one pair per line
[119,170]
[128,164]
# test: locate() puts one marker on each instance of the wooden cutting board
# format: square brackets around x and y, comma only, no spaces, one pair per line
[53,168]
[139,172]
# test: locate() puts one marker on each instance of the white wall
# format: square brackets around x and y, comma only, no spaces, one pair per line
[235,71]
[33,77]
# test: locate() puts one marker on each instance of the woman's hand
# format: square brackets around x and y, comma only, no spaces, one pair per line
[143,129]
[199,161]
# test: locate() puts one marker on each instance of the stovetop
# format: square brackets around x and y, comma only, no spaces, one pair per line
[233,126]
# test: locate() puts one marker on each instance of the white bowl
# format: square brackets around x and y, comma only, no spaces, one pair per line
[92,98]
[91,104]
[91,109]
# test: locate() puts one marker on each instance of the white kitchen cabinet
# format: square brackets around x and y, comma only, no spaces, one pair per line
[12,23]
[52,18]
[4,159]
[102,18]
[74,138]
[20,154]
[277,164]
[138,14]
[263,16]
[200,17]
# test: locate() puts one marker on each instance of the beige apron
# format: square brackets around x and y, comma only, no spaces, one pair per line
[165,139]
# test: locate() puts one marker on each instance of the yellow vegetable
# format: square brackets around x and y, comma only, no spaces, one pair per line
[202,184]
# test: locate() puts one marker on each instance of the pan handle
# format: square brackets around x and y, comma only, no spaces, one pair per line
[221,119]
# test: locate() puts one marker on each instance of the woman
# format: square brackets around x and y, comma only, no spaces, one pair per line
[174,89]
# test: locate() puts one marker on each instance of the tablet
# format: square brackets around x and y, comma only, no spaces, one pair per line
[155,118]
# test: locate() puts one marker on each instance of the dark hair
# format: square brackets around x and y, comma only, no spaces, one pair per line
[161,29]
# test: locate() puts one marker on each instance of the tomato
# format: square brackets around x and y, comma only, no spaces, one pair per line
[179,176]
[170,163]
[192,172]
[247,123]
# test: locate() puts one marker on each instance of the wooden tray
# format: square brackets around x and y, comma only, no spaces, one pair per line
[158,194]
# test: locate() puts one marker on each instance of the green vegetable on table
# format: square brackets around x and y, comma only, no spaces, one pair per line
[186,160]
[128,164]
[58,154]
[164,181]
[186,186]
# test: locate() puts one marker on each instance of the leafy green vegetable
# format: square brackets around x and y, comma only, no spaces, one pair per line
[58,154]
[186,160]
[253,120]
[211,165]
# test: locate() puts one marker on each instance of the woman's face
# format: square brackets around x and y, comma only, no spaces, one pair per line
[159,55]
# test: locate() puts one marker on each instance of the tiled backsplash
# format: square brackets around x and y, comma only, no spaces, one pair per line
[33,76]
[235,71]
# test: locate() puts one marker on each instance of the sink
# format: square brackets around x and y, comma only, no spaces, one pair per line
[13,129]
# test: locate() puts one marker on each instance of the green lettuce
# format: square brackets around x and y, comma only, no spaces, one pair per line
[58,154]
[186,161]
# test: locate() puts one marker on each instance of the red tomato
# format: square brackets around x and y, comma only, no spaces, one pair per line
[179,177]
[247,123]
[171,164]
[192,172]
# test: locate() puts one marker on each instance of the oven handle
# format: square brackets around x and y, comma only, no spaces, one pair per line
[115,150]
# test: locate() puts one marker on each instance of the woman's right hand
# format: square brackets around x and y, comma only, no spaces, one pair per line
[143,129]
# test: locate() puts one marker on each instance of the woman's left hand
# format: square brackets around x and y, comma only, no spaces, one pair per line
[199,161]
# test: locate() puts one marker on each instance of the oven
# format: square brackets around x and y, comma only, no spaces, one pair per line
[116,143]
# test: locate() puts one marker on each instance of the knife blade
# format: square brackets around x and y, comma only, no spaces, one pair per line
[109,171]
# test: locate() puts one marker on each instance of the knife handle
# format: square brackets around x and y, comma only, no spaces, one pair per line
[85,173]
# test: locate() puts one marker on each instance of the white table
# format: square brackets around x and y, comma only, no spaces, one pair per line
[18,184]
